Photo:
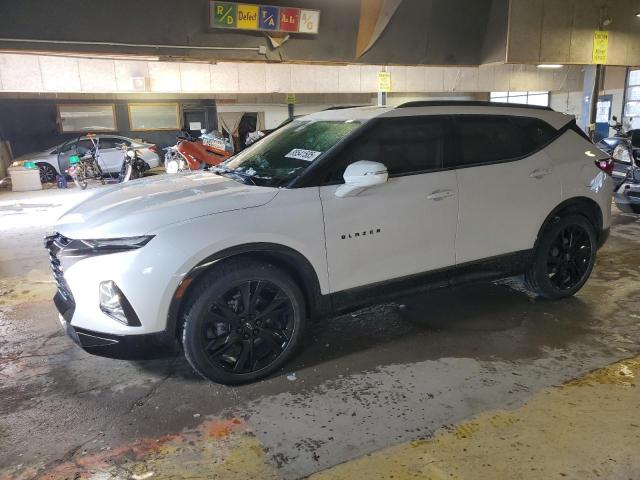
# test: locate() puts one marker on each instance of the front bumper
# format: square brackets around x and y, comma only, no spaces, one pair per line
[77,302]
[123,347]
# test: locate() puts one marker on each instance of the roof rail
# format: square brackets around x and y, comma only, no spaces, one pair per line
[342,107]
[469,103]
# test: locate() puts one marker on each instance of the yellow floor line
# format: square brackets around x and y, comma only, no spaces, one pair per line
[588,428]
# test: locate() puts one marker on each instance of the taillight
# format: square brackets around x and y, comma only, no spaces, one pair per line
[605,165]
[153,148]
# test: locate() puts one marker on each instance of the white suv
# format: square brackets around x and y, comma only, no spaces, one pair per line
[333,211]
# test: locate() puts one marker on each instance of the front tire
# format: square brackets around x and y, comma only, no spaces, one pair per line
[47,173]
[564,258]
[243,321]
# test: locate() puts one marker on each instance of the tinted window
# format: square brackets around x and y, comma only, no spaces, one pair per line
[110,142]
[487,139]
[538,132]
[405,145]
[81,146]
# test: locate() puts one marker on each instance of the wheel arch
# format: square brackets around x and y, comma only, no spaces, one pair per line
[584,206]
[48,164]
[288,259]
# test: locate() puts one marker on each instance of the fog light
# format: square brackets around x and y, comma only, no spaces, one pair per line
[115,304]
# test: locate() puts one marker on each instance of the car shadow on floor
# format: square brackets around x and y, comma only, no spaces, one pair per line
[484,321]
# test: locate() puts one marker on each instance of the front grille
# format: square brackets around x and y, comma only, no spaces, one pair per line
[55,244]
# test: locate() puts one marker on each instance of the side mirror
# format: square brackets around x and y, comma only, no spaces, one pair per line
[361,175]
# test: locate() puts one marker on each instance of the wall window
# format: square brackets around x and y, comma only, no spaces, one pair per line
[526,98]
[86,118]
[632,103]
[154,116]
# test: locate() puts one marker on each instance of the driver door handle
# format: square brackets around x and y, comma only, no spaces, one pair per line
[540,172]
[440,194]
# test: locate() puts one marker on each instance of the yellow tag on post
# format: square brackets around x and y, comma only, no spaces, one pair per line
[384,82]
[600,47]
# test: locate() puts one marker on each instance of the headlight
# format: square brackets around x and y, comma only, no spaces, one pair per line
[105,245]
[172,166]
[621,154]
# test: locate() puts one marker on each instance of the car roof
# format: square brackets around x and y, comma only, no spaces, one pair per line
[555,119]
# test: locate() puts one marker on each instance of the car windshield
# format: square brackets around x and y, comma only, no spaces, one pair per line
[285,153]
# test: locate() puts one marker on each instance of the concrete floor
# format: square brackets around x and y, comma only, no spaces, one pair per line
[364,383]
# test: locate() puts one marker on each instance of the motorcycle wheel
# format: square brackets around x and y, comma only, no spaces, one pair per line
[80,179]
[125,173]
[81,184]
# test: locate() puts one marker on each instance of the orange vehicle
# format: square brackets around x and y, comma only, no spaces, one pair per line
[192,153]
[206,150]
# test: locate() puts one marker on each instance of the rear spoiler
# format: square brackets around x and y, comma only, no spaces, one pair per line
[572,125]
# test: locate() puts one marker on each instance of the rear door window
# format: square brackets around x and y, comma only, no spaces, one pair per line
[486,139]
[537,132]
[109,142]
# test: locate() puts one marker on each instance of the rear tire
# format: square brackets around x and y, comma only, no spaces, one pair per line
[564,258]
[243,321]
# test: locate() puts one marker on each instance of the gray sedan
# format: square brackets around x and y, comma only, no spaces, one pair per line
[54,161]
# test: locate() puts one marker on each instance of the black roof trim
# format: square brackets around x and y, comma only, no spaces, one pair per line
[342,107]
[469,103]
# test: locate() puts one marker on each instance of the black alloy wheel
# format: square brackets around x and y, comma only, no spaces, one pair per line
[242,321]
[47,173]
[564,257]
[568,257]
[248,327]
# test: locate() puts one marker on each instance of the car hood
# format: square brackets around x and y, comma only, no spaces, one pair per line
[142,206]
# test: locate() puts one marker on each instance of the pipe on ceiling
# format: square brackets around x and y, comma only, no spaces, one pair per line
[261,50]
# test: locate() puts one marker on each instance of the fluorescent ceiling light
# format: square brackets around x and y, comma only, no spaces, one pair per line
[638,14]
[550,65]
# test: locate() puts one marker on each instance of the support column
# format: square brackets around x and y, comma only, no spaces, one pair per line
[590,91]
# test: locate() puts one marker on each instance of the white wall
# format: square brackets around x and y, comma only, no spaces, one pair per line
[42,73]
[567,102]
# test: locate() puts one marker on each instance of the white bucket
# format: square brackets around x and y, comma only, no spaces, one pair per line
[25,179]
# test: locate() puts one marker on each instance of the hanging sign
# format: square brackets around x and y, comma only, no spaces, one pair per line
[267,18]
[384,82]
[600,47]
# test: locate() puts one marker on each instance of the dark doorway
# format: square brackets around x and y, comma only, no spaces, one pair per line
[248,124]
[195,119]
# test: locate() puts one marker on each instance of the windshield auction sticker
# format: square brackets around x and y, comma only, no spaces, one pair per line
[302,154]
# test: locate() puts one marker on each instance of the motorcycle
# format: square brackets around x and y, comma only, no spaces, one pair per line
[196,153]
[622,135]
[85,168]
[626,174]
[133,166]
